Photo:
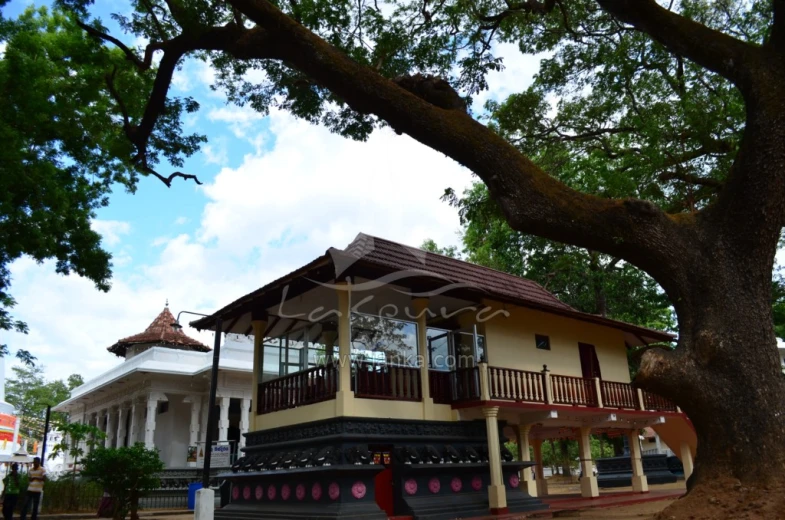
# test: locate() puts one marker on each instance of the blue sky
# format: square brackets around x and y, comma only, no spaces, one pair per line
[277,193]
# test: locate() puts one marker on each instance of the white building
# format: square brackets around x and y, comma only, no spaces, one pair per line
[159,394]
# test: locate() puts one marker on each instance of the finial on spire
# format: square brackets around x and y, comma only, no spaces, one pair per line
[167,302]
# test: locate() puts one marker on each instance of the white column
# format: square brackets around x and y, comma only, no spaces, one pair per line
[149,425]
[528,483]
[344,397]
[589,486]
[497,494]
[640,483]
[245,423]
[110,429]
[686,459]
[542,484]
[136,419]
[223,423]
[122,415]
[205,417]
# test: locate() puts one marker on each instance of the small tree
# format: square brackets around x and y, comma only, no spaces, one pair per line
[125,473]
[76,437]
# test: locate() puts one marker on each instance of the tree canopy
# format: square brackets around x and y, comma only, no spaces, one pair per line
[64,148]
[30,394]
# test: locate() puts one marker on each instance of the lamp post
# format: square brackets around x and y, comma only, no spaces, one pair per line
[211,402]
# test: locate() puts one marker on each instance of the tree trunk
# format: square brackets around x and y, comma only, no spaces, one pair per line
[564,449]
[726,376]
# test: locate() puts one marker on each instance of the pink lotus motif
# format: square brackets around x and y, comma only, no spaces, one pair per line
[316,491]
[514,480]
[456,484]
[334,490]
[235,493]
[271,492]
[247,492]
[300,492]
[434,485]
[358,490]
[410,486]
[259,492]
[286,492]
[476,483]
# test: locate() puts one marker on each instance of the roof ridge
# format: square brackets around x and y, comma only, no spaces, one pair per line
[458,260]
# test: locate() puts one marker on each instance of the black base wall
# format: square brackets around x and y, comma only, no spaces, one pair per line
[617,471]
[433,470]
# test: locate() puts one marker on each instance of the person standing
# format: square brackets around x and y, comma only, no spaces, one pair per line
[34,489]
[11,489]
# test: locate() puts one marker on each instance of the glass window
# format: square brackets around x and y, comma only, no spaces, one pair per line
[466,355]
[439,349]
[543,342]
[383,339]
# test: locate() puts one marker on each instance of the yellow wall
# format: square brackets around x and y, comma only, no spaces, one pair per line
[510,343]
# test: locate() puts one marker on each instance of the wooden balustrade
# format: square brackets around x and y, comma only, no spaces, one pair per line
[516,385]
[377,381]
[440,385]
[658,403]
[466,384]
[573,390]
[618,395]
[298,389]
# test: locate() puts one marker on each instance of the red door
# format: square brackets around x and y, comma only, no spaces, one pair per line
[590,365]
[384,491]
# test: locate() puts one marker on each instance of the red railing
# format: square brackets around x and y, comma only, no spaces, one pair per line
[298,389]
[573,390]
[619,395]
[466,382]
[376,381]
[440,385]
[516,385]
[656,402]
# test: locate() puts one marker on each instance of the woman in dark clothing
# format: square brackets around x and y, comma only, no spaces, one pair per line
[11,489]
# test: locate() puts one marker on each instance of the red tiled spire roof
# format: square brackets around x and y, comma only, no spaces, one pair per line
[160,332]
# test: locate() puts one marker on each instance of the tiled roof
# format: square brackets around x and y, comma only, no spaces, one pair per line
[160,332]
[400,257]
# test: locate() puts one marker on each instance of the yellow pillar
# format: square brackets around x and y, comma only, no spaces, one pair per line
[329,337]
[589,487]
[421,312]
[640,483]
[497,494]
[686,459]
[528,484]
[542,484]
[344,397]
[485,382]
[259,324]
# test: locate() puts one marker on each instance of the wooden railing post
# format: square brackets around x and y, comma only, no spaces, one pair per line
[485,387]
[598,391]
[641,404]
[546,384]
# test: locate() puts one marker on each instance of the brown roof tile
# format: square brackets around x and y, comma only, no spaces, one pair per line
[160,332]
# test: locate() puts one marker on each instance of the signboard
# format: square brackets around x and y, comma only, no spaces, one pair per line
[220,458]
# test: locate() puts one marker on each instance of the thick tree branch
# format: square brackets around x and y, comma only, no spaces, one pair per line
[689,178]
[714,50]
[532,200]
[777,36]
[129,54]
[168,180]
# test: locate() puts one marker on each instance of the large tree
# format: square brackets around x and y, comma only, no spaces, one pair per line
[684,99]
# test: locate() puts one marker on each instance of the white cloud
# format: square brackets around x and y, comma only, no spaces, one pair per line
[111,230]
[517,75]
[179,221]
[272,214]
[239,119]
[216,152]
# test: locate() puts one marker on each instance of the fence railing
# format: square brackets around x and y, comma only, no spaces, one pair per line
[516,385]
[305,387]
[440,386]
[378,381]
[658,403]
[573,390]
[618,395]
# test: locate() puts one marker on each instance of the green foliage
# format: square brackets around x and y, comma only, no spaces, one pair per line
[65,98]
[76,438]
[30,394]
[778,305]
[126,473]
[430,245]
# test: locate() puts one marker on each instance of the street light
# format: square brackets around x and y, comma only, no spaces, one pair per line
[211,402]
